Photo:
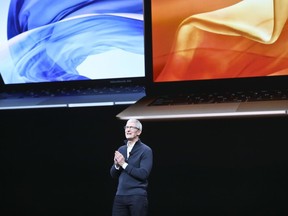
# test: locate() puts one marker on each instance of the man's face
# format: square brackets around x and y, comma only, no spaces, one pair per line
[131,131]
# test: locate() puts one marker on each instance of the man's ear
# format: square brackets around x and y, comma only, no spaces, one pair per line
[139,132]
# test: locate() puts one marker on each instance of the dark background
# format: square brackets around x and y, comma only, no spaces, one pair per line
[57,161]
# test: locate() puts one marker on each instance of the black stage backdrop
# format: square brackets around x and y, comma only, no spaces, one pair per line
[56,162]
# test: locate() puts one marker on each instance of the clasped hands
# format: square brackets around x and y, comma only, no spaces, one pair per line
[119,159]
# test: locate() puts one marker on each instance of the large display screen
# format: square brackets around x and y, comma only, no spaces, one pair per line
[52,40]
[219,39]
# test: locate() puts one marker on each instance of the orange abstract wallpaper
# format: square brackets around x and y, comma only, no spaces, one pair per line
[215,39]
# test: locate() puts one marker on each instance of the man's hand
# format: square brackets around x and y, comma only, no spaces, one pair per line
[118,158]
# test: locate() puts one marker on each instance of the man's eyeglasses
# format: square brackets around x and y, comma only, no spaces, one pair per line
[130,127]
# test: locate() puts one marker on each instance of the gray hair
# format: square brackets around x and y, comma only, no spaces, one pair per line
[137,122]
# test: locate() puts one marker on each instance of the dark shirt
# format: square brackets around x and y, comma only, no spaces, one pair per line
[133,180]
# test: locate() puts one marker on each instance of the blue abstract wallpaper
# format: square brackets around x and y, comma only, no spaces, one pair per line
[52,40]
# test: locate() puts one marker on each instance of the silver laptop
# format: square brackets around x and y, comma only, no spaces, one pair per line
[71,53]
[214,59]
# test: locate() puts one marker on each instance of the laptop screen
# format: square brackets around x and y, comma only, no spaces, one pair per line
[218,39]
[48,41]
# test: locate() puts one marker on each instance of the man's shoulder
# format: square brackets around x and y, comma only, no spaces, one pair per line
[145,146]
[122,147]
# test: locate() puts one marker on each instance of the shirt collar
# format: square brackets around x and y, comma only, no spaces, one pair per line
[126,142]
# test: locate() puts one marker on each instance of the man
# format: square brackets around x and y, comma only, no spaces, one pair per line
[132,165]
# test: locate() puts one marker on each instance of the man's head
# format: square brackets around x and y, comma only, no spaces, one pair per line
[133,129]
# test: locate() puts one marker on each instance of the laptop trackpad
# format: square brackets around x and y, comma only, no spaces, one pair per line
[208,108]
[264,106]
[190,111]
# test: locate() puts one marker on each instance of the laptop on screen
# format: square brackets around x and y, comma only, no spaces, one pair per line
[71,53]
[214,59]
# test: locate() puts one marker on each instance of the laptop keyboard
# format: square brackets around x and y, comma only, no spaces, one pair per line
[208,98]
[81,91]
